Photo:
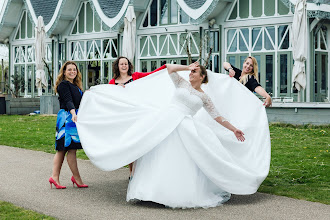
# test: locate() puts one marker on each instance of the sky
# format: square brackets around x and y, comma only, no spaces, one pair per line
[3,49]
[3,52]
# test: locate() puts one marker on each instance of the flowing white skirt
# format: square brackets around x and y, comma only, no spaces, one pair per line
[181,160]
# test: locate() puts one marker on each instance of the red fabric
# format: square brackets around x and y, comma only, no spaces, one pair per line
[138,75]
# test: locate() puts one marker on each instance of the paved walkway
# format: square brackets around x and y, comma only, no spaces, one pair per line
[24,182]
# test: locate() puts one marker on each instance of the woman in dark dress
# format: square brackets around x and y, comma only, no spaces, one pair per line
[69,87]
[248,76]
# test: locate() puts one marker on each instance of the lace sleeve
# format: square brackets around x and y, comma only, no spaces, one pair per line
[177,80]
[210,108]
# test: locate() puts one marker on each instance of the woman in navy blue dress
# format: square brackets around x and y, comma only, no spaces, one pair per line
[69,88]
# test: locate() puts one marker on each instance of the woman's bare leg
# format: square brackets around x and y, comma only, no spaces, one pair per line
[57,165]
[72,161]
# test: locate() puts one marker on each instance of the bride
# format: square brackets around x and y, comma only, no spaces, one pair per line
[186,156]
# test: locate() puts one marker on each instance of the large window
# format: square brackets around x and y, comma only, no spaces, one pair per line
[264,42]
[87,21]
[95,57]
[164,12]
[321,72]
[245,9]
[169,45]
[25,29]
[24,65]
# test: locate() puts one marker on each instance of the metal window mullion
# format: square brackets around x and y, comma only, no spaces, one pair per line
[148,15]
[148,54]
[237,42]
[243,37]
[26,25]
[169,6]
[153,45]
[318,40]
[94,24]
[250,9]
[285,33]
[101,60]
[270,38]
[168,45]
[26,73]
[276,8]
[237,17]
[276,61]
[263,8]
[178,13]
[263,39]
[158,12]
[250,41]
[178,43]
[232,40]
[85,20]
[144,45]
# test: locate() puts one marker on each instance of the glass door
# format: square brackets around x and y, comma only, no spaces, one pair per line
[236,60]
[82,69]
[320,76]
[93,73]
[266,71]
[284,80]
[107,71]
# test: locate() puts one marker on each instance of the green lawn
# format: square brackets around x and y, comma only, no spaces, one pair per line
[10,211]
[300,163]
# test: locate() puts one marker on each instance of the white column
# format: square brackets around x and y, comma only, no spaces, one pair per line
[308,63]
[328,47]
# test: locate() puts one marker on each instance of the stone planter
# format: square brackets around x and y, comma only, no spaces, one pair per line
[49,104]
[22,106]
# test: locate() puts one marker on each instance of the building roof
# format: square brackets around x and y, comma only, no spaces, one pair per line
[44,8]
[111,7]
[199,9]
[315,8]
[194,4]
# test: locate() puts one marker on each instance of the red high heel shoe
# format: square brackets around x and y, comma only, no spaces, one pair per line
[75,182]
[52,181]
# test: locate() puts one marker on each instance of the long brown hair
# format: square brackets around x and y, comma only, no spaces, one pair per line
[254,72]
[115,67]
[204,73]
[76,81]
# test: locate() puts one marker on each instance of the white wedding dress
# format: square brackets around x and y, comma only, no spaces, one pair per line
[184,158]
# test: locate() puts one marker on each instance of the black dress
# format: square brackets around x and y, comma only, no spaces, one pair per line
[251,84]
[66,132]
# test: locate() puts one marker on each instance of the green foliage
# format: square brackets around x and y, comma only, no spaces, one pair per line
[300,163]
[10,211]
[19,83]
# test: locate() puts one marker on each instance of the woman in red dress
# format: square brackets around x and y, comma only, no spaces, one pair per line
[122,70]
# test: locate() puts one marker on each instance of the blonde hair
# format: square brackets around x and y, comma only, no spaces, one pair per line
[254,72]
[76,81]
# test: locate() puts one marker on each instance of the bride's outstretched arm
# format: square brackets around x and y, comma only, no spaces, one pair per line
[171,68]
[238,133]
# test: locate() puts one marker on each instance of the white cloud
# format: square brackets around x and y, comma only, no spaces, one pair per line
[4,52]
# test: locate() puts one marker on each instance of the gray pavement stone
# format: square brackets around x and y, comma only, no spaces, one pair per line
[24,182]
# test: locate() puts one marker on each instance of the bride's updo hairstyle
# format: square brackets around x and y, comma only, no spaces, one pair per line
[204,73]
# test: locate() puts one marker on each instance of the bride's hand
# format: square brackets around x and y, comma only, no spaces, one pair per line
[119,84]
[194,66]
[239,135]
